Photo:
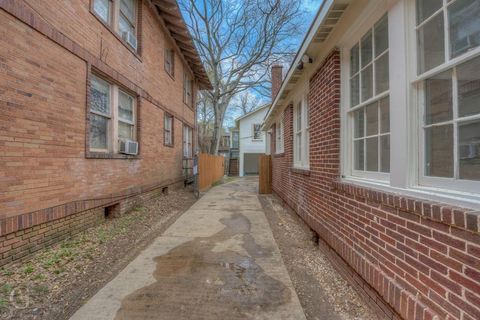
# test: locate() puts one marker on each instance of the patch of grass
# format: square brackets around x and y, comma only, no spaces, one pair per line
[28,269]
[6,289]
[3,303]
[39,277]
[40,289]
[5,272]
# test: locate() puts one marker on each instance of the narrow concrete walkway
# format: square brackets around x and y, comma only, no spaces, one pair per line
[219,260]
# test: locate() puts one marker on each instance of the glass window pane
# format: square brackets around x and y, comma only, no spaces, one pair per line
[366,51]
[99,95]
[125,26]
[381,74]
[359,123]
[381,35]
[464,26]
[372,118]
[299,146]
[354,60]
[98,132]
[125,106]
[372,154]
[125,131]
[425,8]
[367,83]
[439,151]
[127,7]
[102,8]
[299,117]
[355,90]
[385,153]
[469,150]
[385,115]
[469,88]
[438,98]
[359,155]
[431,44]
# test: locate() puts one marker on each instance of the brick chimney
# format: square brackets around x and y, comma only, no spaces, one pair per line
[277,79]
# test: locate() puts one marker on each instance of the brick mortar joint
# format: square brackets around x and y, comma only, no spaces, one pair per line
[420,207]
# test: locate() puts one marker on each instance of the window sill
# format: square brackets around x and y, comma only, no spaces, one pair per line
[450,197]
[136,53]
[188,106]
[279,155]
[302,171]
[170,145]
[110,155]
[172,76]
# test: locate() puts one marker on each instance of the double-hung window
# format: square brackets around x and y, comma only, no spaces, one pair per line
[187,142]
[448,69]
[187,89]
[170,62]
[279,136]
[168,130]
[121,16]
[112,116]
[369,110]
[301,131]
[257,131]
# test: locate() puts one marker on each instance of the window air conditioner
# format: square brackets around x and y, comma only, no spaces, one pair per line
[128,147]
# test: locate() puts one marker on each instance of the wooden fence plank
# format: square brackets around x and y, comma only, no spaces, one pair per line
[210,170]
[265,174]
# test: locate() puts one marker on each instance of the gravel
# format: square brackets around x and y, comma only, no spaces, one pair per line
[322,291]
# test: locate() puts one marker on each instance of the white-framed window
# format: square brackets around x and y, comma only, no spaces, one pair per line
[121,16]
[279,145]
[168,130]
[448,87]
[257,131]
[369,111]
[170,62]
[301,134]
[112,115]
[187,89]
[187,142]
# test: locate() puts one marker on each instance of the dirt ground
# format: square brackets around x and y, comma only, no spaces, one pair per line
[56,281]
[323,293]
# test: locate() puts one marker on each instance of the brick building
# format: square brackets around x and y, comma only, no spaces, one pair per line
[376,145]
[97,112]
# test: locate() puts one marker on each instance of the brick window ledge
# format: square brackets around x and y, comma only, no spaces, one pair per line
[279,155]
[462,218]
[304,172]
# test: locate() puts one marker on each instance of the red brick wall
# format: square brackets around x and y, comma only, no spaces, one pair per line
[47,50]
[422,258]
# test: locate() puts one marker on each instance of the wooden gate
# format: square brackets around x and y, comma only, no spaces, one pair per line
[210,170]
[265,174]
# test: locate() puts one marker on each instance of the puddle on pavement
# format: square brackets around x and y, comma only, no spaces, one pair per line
[196,280]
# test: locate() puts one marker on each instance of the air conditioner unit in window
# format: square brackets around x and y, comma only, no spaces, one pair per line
[128,147]
[130,39]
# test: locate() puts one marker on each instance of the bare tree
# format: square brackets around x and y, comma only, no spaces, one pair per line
[205,121]
[238,41]
[246,102]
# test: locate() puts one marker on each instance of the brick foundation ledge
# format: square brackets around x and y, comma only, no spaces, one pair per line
[27,233]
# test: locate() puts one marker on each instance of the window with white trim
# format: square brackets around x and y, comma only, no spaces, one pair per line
[448,40]
[121,16]
[301,134]
[369,102]
[187,142]
[112,116]
[168,130]
[257,131]
[279,146]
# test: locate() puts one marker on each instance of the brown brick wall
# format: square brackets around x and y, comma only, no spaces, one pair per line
[422,258]
[44,65]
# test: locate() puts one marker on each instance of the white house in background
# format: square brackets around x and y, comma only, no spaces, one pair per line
[252,140]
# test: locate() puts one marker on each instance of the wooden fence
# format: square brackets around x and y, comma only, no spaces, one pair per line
[265,174]
[210,170]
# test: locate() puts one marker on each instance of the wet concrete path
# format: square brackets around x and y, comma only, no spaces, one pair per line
[219,260]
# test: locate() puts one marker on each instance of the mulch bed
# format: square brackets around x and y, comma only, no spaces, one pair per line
[56,281]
